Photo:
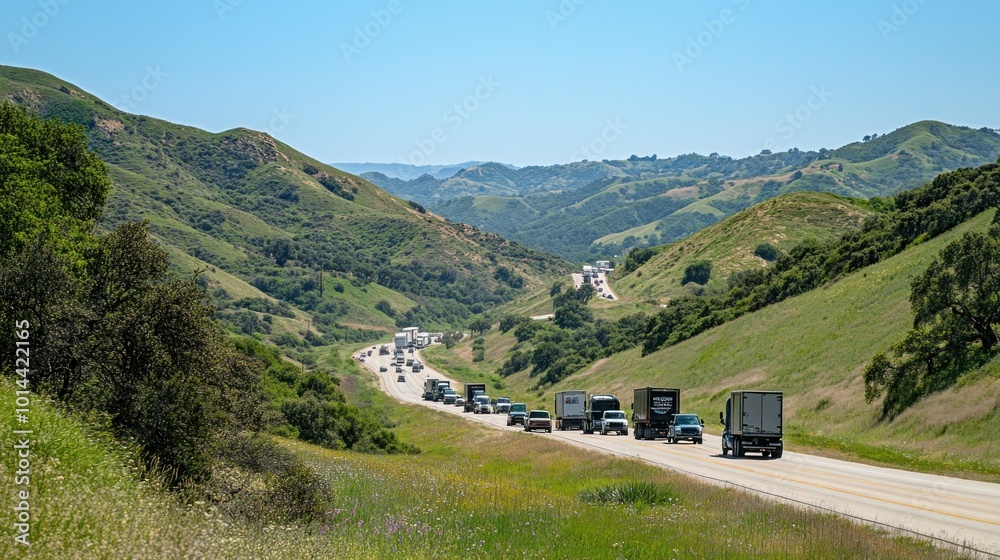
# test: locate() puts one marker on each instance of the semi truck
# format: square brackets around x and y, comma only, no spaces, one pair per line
[400,340]
[430,387]
[752,422]
[653,408]
[571,407]
[588,273]
[472,390]
[594,414]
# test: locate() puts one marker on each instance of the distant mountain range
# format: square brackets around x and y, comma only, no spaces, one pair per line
[589,209]
[408,172]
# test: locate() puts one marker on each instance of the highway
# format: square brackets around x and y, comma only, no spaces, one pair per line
[949,510]
[604,285]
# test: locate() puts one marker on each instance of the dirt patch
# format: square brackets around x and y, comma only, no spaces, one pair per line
[108,127]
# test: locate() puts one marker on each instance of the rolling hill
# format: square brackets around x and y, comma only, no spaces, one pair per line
[782,222]
[291,248]
[616,205]
[406,171]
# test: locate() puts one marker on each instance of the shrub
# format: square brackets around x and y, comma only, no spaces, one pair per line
[767,252]
[699,273]
[631,494]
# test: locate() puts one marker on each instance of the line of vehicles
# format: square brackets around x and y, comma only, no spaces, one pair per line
[752,421]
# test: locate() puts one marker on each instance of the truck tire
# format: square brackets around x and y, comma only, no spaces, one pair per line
[549,431]
[725,451]
[777,454]
[698,441]
[650,435]
[738,448]
[604,432]
[625,432]
[638,432]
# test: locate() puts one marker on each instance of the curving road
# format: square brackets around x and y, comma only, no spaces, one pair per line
[949,510]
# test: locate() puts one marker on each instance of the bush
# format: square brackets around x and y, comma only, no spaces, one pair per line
[699,273]
[767,252]
[631,494]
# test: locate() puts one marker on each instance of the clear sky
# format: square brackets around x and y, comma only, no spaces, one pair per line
[521,81]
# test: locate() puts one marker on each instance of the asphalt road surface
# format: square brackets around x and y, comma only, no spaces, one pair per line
[949,510]
[604,286]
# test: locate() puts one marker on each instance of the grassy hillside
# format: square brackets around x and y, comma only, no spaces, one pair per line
[645,201]
[814,348]
[517,494]
[284,237]
[782,222]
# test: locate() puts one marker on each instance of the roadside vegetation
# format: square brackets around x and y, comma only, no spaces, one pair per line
[473,491]
[115,338]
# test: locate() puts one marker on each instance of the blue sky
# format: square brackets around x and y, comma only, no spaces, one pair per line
[525,82]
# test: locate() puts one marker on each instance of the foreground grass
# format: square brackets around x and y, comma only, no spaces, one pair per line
[473,491]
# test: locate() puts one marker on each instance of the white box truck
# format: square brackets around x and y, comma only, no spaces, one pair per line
[570,410]
[752,422]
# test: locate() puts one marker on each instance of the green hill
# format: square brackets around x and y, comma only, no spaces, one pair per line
[646,201]
[290,246]
[729,245]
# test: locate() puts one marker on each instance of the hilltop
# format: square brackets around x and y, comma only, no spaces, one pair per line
[289,247]
[408,172]
[782,223]
[599,209]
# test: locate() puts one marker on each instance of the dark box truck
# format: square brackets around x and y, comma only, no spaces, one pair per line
[653,408]
[596,405]
[752,422]
[430,386]
[471,390]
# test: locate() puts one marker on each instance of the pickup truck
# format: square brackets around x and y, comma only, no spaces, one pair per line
[482,405]
[538,420]
[501,406]
[685,427]
[614,421]
[518,412]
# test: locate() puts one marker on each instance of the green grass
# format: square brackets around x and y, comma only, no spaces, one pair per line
[473,491]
